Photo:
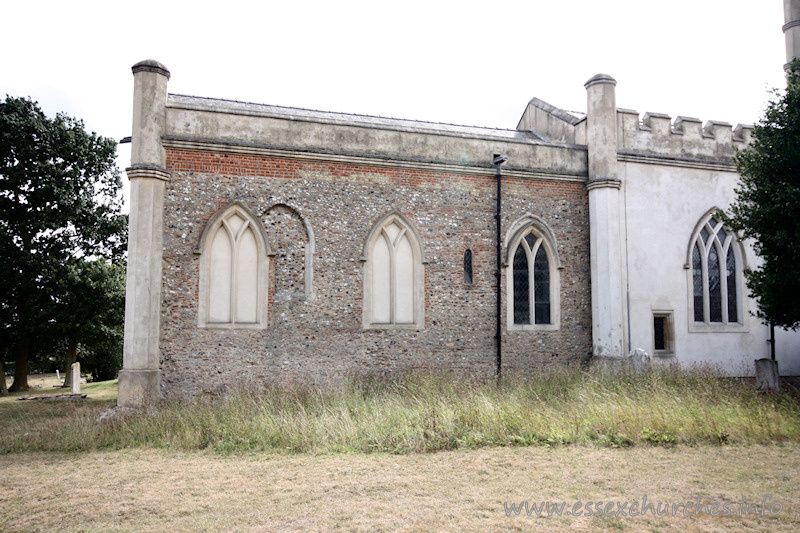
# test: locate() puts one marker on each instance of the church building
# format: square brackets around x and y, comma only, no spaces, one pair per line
[272,243]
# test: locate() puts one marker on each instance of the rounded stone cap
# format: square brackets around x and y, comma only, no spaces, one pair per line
[150,65]
[600,78]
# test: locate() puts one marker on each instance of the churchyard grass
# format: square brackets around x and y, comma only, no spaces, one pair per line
[296,458]
[459,490]
[100,396]
[424,412]
[67,421]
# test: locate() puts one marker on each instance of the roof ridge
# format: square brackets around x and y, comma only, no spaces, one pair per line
[305,109]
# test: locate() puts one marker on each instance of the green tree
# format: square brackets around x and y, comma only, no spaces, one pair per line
[767,207]
[91,313]
[59,202]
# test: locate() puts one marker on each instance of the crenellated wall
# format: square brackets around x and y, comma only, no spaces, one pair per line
[686,137]
[652,134]
[651,178]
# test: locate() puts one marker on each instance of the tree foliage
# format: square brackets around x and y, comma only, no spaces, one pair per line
[89,313]
[767,207]
[59,206]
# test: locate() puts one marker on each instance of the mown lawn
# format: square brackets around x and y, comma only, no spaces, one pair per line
[145,489]
[27,415]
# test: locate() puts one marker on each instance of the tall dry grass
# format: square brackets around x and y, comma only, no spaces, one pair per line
[419,412]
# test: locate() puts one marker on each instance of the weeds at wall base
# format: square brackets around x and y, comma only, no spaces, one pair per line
[427,412]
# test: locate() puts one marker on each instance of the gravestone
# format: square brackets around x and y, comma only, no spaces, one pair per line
[639,360]
[767,375]
[76,378]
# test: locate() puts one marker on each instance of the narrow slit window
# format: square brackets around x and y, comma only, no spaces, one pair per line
[662,333]
[659,328]
[468,267]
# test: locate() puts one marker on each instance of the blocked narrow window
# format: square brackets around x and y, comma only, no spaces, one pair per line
[291,239]
[715,271]
[233,270]
[393,275]
[468,266]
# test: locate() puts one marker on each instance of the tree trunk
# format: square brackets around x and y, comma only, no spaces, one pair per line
[20,368]
[71,358]
[3,386]
[23,346]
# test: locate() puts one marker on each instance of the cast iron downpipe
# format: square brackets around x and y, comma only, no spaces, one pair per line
[498,336]
[772,340]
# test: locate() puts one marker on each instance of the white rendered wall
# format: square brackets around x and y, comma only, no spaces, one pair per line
[663,204]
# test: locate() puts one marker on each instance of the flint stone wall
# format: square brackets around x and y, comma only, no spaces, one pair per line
[316,335]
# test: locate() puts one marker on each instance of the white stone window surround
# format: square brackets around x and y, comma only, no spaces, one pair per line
[394,275]
[669,332]
[234,270]
[532,224]
[730,242]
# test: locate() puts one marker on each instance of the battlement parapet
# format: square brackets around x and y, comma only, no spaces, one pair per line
[657,134]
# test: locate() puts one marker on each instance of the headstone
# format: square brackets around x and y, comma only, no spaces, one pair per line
[639,360]
[58,375]
[767,375]
[76,378]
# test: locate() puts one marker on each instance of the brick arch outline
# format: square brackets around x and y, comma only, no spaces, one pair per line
[310,248]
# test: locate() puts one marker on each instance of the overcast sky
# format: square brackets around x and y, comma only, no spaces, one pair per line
[463,62]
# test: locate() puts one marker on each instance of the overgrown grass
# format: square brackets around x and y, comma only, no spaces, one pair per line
[429,412]
[25,425]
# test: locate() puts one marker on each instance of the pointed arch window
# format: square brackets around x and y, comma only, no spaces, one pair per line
[716,274]
[393,275]
[468,266]
[533,279]
[233,270]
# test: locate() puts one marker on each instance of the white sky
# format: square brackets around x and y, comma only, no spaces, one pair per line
[464,62]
